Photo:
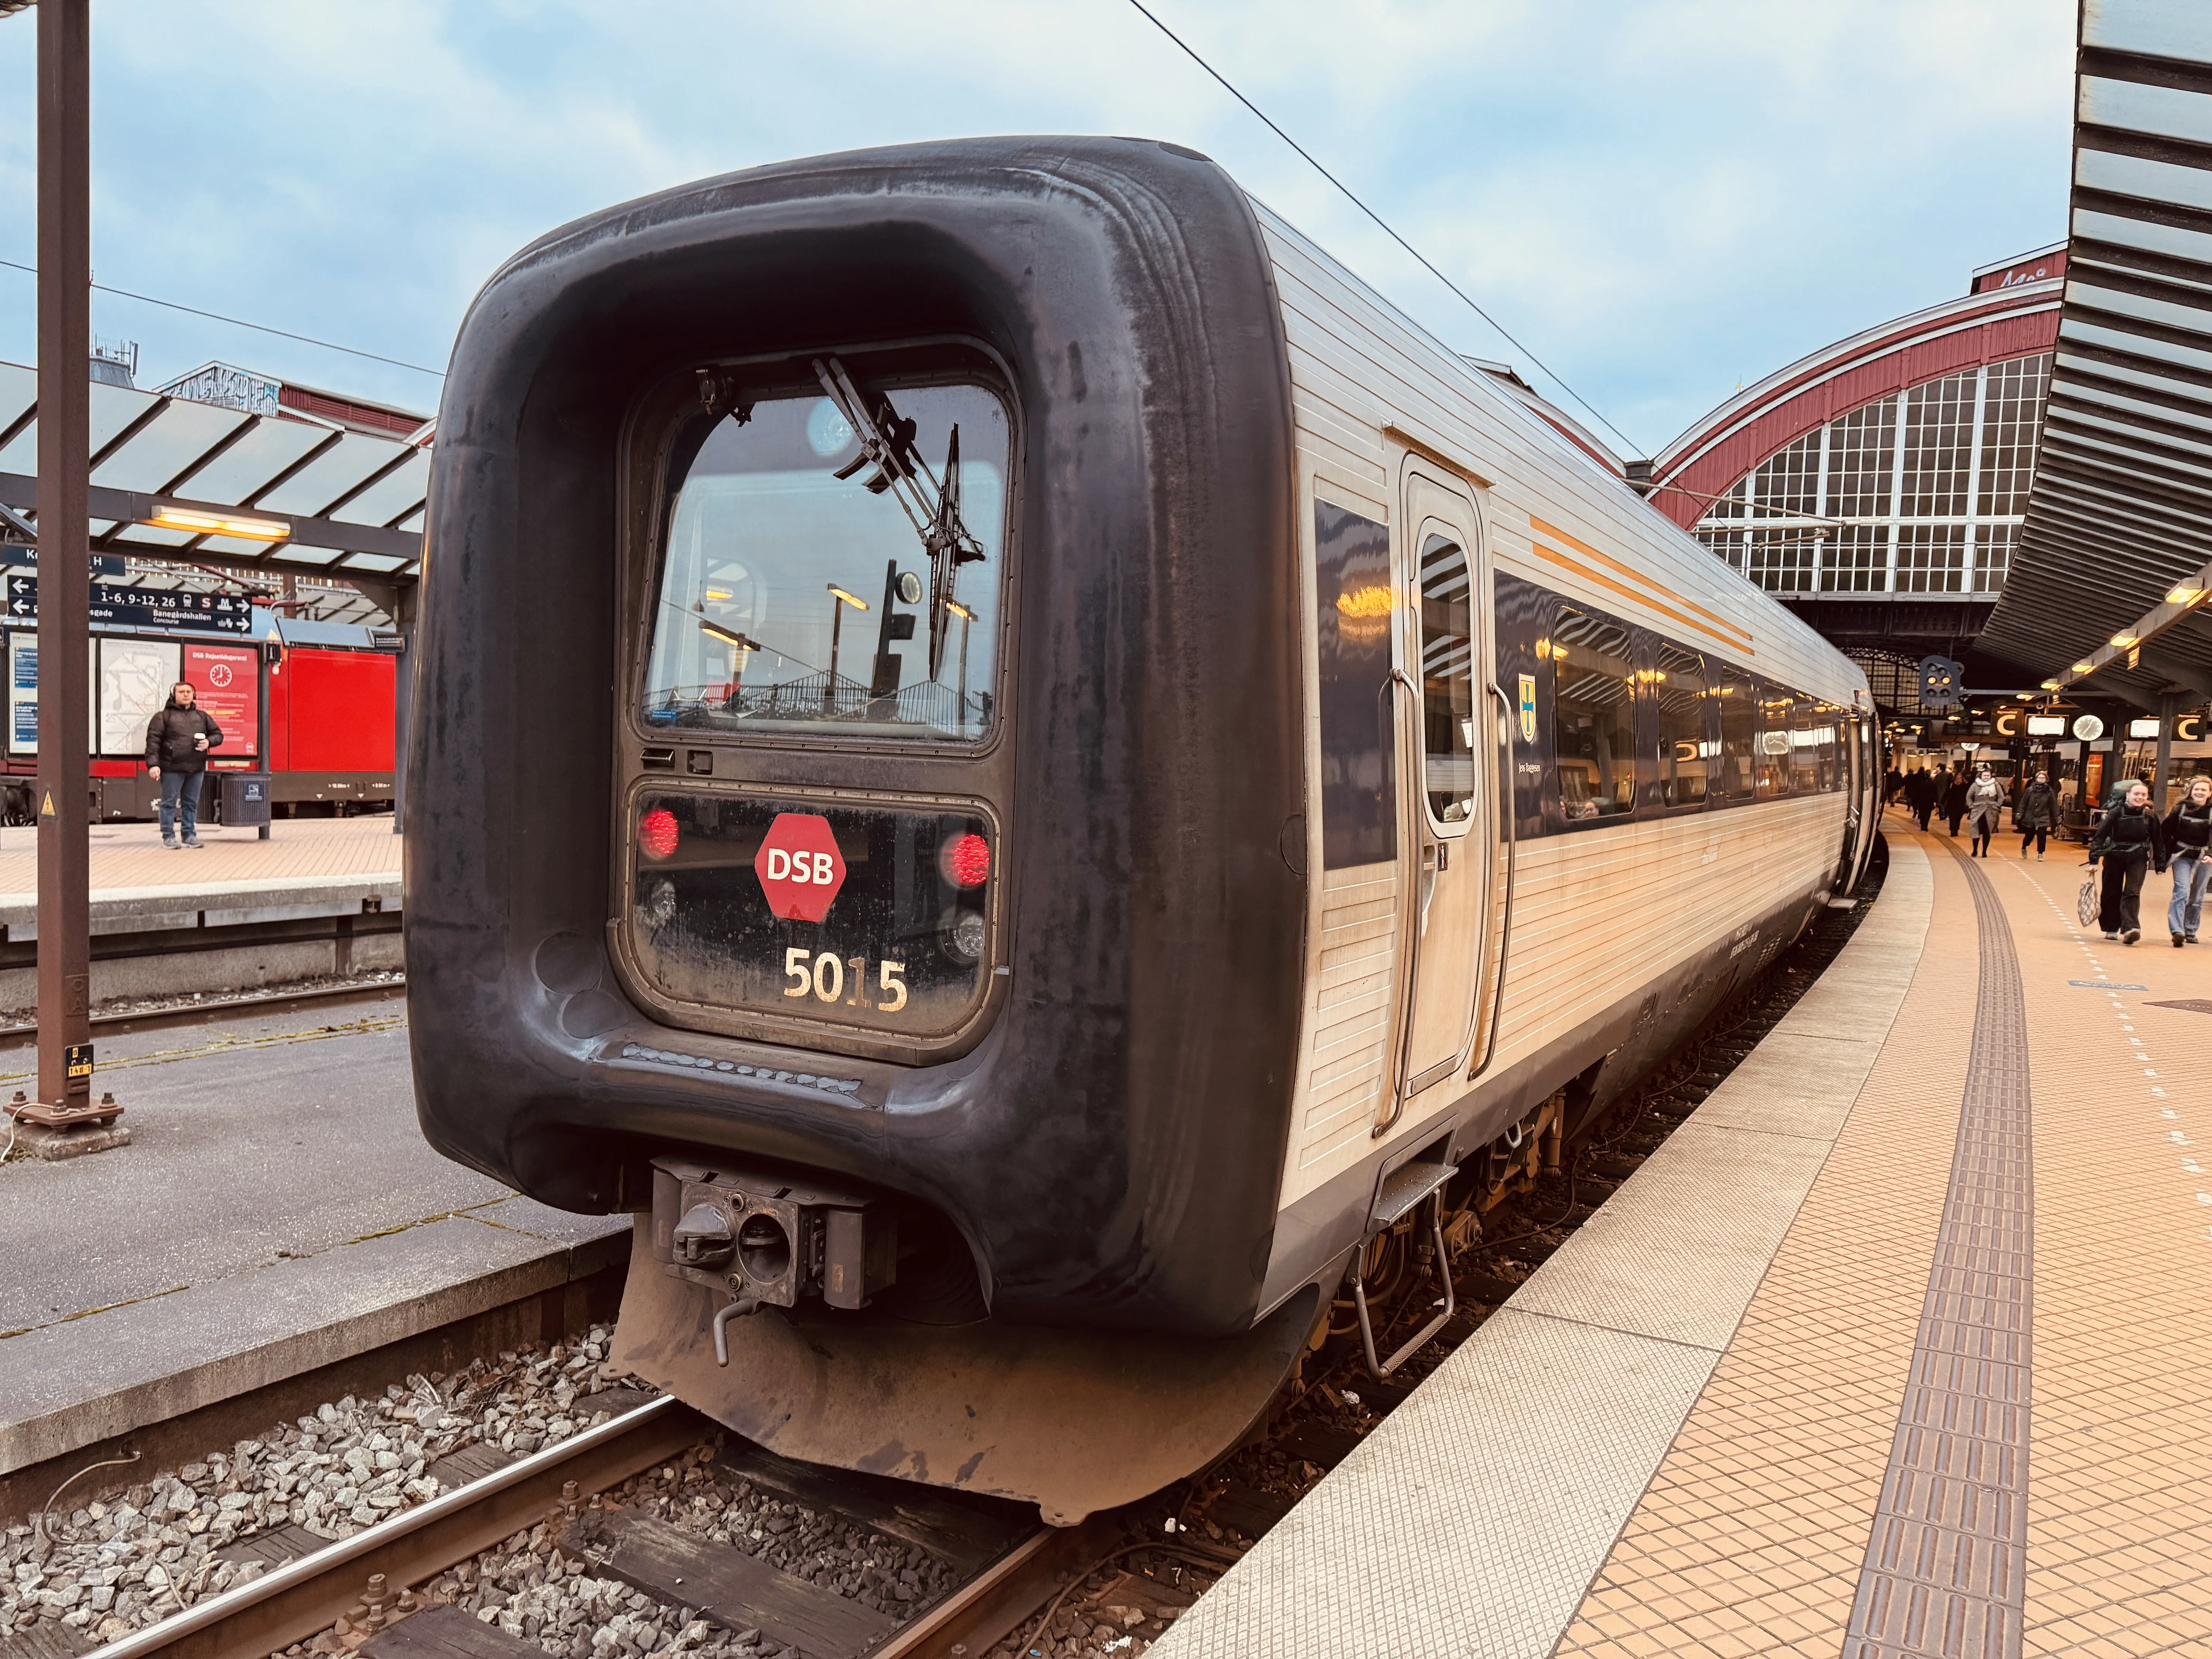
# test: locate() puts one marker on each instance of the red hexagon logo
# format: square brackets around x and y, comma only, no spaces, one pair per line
[799,866]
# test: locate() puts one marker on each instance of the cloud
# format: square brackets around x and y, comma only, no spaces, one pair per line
[1659,200]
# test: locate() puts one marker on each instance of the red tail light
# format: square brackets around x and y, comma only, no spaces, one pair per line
[656,833]
[966,860]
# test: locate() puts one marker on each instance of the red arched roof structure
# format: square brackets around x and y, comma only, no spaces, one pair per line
[2012,313]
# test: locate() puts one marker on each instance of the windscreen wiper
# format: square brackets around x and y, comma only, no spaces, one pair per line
[931,506]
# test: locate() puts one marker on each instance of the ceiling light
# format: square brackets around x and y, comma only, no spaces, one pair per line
[219,524]
[2050,685]
[728,635]
[2183,594]
[2125,640]
[2084,667]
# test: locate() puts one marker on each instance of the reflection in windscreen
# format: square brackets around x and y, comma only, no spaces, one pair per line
[792,597]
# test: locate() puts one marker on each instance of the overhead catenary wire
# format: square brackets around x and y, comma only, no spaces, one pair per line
[1353,196]
[239,322]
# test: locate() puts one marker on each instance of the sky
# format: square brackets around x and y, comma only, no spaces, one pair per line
[1659,199]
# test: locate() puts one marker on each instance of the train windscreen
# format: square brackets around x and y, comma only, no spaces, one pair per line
[833,562]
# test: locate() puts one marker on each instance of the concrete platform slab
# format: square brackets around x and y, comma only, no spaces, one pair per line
[278,1212]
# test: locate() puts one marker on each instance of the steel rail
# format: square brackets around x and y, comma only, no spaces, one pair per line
[207,1013]
[292,1602]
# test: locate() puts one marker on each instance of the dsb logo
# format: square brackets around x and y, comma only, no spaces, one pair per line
[799,867]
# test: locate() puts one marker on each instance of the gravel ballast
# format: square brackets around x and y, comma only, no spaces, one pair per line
[108,1569]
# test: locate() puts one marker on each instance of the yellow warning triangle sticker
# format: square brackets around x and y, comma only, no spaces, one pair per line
[47,811]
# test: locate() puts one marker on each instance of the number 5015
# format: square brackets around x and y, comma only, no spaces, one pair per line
[824,978]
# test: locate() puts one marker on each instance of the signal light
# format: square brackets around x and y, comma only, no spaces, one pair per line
[966,862]
[656,833]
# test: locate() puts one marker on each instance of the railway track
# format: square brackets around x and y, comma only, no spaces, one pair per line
[211,1010]
[413,1586]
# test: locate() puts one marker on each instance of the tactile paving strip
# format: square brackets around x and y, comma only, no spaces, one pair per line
[1946,1562]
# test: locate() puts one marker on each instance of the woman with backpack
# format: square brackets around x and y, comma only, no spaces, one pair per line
[2037,814]
[2186,830]
[2130,843]
[1985,809]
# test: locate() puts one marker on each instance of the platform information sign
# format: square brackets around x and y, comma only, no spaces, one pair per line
[224,677]
[115,606]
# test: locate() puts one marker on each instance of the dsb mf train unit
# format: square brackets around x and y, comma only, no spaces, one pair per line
[1046,788]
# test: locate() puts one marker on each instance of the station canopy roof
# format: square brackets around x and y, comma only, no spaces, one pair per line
[194,482]
[2110,574]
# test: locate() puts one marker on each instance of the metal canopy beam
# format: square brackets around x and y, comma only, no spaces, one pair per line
[2120,513]
[131,508]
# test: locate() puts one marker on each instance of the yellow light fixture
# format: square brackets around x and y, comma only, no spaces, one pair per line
[2124,640]
[2084,667]
[219,524]
[2050,685]
[960,611]
[728,635]
[2183,594]
[853,599]
[718,594]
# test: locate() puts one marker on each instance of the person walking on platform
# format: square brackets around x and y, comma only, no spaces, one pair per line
[176,744]
[1920,792]
[2187,830]
[1892,781]
[1955,801]
[2036,814]
[1985,809]
[2129,843]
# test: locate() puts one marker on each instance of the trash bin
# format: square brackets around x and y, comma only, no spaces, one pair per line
[242,803]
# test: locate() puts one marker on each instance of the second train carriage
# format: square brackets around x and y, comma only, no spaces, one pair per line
[1024,770]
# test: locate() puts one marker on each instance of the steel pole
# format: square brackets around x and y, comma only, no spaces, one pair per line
[65,549]
[2169,705]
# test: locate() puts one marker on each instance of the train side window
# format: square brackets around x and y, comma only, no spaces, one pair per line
[1686,749]
[1732,784]
[1354,600]
[1808,773]
[1773,750]
[1831,748]
[1446,638]
[1521,619]
[1593,713]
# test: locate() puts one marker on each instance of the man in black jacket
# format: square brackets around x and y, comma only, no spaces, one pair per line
[176,744]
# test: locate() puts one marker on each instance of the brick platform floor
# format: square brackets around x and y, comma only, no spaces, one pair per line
[127,855]
[1753,1534]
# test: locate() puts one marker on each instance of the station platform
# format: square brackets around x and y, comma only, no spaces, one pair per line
[131,855]
[239,914]
[277,1220]
[1901,1344]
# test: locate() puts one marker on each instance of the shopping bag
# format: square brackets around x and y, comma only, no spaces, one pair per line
[2085,905]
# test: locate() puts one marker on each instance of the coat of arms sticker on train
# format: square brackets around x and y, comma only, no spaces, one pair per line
[1528,708]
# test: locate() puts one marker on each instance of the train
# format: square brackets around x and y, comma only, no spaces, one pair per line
[326,689]
[1053,795]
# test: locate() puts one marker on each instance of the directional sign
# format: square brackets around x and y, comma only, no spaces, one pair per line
[115,606]
[799,867]
[103,564]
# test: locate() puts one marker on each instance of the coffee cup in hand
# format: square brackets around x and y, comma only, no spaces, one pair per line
[199,739]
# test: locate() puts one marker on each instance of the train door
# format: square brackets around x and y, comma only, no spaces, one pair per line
[1447,807]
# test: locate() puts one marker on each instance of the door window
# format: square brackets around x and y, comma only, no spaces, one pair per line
[1445,637]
